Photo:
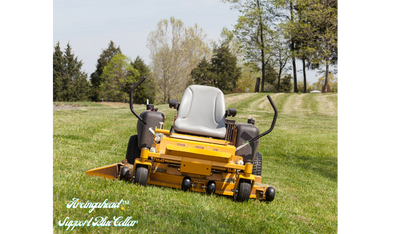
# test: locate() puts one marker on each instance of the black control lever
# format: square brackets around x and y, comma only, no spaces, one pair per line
[131,99]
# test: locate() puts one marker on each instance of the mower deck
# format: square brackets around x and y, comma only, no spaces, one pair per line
[200,159]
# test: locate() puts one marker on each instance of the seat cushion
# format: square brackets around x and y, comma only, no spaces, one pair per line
[202,112]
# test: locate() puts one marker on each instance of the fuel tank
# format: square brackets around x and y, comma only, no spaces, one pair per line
[152,119]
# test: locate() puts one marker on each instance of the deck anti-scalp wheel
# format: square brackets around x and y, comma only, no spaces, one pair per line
[124,173]
[186,184]
[211,187]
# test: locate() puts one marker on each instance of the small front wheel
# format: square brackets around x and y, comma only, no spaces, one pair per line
[141,174]
[244,191]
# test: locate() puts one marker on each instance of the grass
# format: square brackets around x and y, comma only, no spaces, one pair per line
[299,160]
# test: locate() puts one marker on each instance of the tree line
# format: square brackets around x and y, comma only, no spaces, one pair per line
[267,40]
[112,80]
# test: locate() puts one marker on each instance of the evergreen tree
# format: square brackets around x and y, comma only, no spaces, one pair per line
[224,65]
[69,82]
[147,90]
[102,61]
[202,74]
[58,69]
[78,87]
[222,72]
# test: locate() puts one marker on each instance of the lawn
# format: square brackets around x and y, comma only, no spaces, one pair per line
[299,160]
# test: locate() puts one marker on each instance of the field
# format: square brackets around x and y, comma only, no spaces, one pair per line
[299,160]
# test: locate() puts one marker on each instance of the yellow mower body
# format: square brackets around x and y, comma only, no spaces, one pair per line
[201,159]
[199,152]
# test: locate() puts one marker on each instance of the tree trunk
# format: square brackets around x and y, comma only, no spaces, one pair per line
[326,75]
[304,75]
[262,48]
[295,80]
[278,80]
[256,88]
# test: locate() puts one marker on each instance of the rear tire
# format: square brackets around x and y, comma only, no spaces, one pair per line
[133,150]
[244,190]
[257,164]
[140,176]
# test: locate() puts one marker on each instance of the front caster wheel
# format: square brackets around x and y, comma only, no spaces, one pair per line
[141,174]
[244,190]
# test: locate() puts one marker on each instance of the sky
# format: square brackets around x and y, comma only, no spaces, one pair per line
[88,26]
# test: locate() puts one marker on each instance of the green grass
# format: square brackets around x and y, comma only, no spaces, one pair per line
[299,160]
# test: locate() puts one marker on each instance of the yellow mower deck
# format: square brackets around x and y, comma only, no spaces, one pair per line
[199,159]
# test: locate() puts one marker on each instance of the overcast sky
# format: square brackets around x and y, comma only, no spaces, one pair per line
[89,26]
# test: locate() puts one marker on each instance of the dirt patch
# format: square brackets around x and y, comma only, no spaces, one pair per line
[237,98]
[115,104]
[266,102]
[65,107]
[294,104]
[326,107]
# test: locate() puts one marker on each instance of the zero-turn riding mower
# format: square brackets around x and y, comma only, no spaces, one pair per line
[203,151]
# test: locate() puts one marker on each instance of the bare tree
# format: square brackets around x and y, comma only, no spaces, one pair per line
[175,50]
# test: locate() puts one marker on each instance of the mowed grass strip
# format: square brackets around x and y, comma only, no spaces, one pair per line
[299,160]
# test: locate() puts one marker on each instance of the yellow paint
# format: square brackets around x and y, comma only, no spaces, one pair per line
[196,166]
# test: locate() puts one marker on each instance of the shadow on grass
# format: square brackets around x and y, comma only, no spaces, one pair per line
[326,167]
[72,137]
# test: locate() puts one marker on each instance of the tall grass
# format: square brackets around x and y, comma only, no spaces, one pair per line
[299,160]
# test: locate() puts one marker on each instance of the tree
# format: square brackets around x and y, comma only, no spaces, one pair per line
[59,85]
[253,31]
[147,90]
[246,80]
[222,72]
[203,74]
[78,88]
[102,61]
[284,12]
[286,83]
[331,81]
[323,16]
[175,50]
[224,66]
[116,78]
[69,82]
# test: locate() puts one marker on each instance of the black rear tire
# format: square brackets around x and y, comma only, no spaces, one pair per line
[257,164]
[244,190]
[133,150]
[140,176]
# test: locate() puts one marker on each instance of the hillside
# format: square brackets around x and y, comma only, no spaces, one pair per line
[299,160]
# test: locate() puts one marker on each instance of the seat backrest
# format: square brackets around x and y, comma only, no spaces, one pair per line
[202,112]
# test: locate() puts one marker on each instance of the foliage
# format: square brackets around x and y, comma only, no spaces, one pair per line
[286,85]
[147,90]
[222,71]
[69,82]
[253,31]
[332,83]
[117,78]
[175,50]
[102,61]
[246,80]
